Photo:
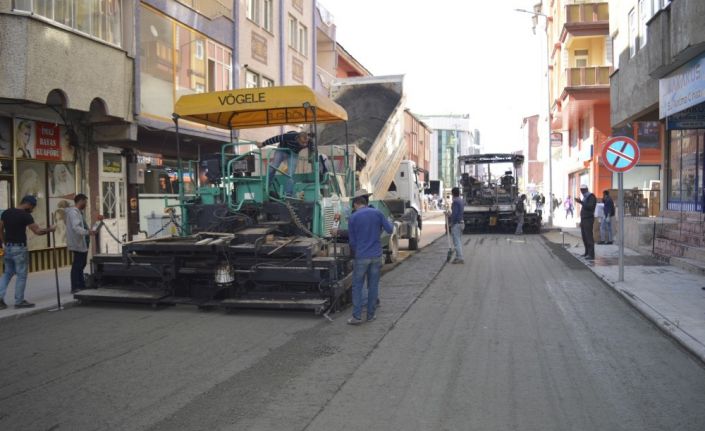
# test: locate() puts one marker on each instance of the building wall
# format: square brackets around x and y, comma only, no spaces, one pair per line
[36,58]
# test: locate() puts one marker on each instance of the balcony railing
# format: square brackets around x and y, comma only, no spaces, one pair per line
[588,76]
[585,13]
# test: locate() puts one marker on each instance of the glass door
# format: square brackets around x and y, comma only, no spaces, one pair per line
[113,202]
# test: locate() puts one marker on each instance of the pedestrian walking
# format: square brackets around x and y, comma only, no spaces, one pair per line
[13,236]
[457,224]
[606,222]
[520,210]
[290,144]
[540,202]
[568,207]
[77,240]
[364,230]
[587,220]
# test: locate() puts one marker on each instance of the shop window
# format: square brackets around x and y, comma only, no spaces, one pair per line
[674,167]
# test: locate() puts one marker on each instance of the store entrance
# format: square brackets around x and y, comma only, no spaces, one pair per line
[112,201]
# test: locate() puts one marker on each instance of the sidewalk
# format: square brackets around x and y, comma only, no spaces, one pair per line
[41,290]
[670,297]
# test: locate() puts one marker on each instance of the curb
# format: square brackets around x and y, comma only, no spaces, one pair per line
[36,310]
[665,325]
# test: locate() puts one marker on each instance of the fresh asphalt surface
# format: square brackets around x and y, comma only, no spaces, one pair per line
[521,337]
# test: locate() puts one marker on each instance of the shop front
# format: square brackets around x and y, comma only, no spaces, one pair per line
[36,159]
[682,106]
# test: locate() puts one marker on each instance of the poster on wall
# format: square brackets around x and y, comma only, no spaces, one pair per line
[5,137]
[58,217]
[25,138]
[48,145]
[67,153]
[112,163]
[62,181]
[31,180]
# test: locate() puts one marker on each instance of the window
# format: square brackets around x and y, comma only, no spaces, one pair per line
[251,79]
[293,31]
[268,15]
[101,19]
[253,11]
[581,58]
[633,33]
[644,15]
[303,40]
[255,80]
[266,82]
[176,60]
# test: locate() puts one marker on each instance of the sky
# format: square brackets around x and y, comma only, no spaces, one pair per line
[476,57]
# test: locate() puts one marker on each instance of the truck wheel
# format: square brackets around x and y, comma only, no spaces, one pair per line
[393,252]
[414,239]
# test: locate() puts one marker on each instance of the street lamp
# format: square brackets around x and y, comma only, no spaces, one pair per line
[536,14]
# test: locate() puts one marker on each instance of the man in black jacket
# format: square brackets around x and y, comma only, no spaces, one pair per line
[290,144]
[606,222]
[587,220]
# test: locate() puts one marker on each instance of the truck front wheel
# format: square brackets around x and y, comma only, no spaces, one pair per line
[414,238]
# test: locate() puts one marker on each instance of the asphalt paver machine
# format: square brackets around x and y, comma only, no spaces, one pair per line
[241,242]
[490,202]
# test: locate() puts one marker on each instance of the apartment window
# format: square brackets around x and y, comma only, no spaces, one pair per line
[633,33]
[251,79]
[219,67]
[101,19]
[303,40]
[266,82]
[176,60]
[581,58]
[268,15]
[293,31]
[253,10]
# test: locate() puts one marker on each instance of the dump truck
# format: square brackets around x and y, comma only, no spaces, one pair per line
[375,127]
[490,202]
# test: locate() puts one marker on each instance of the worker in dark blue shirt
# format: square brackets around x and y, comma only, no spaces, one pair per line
[457,224]
[290,144]
[364,230]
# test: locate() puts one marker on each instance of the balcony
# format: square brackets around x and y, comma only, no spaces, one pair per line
[581,77]
[210,8]
[586,19]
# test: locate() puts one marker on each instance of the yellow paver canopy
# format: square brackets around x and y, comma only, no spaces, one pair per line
[259,107]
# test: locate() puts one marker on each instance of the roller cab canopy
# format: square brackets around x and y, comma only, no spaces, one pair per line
[258,107]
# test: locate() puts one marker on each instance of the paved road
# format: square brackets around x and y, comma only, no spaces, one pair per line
[521,337]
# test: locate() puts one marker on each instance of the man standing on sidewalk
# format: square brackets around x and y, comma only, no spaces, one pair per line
[364,230]
[606,221]
[587,220]
[77,240]
[520,210]
[13,235]
[457,224]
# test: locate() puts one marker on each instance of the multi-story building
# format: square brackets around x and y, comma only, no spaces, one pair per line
[417,136]
[533,170]
[659,94]
[579,68]
[452,136]
[90,90]
[66,91]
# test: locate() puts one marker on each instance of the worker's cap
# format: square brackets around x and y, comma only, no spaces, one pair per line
[362,193]
[583,187]
[29,199]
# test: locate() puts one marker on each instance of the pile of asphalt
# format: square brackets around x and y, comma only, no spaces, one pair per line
[368,110]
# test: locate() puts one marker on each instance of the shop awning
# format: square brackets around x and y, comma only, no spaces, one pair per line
[259,107]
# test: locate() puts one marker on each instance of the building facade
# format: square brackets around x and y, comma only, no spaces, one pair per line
[66,93]
[108,129]
[533,171]
[452,136]
[580,63]
[417,136]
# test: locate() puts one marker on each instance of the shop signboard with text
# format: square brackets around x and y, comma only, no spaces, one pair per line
[683,88]
[48,144]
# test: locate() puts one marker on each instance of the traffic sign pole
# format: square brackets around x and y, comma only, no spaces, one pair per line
[620,154]
[620,205]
